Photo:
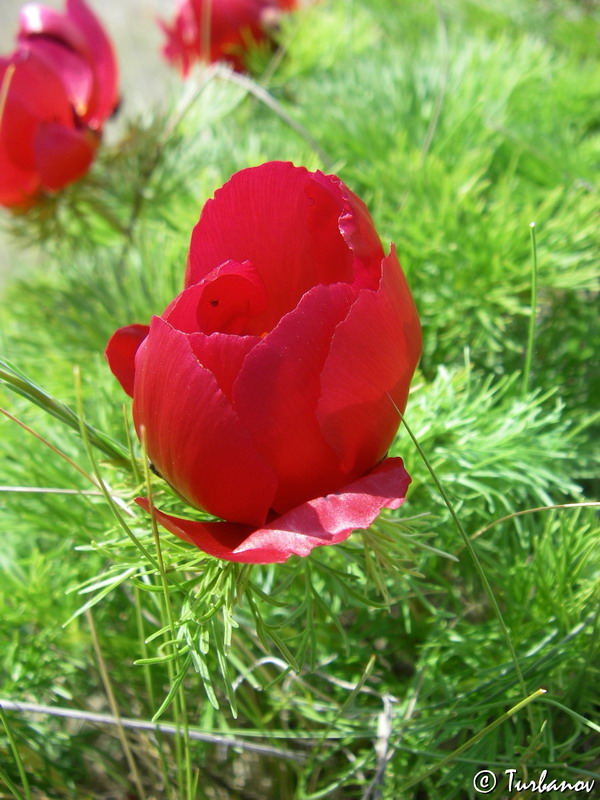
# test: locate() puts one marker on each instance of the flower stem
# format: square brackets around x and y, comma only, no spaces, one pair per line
[16,754]
[150,690]
[532,311]
[473,740]
[21,384]
[169,612]
[114,707]
[477,563]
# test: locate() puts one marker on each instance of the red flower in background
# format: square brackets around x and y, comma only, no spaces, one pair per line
[219,30]
[269,388]
[58,87]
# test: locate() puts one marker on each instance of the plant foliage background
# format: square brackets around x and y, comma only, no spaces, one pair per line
[372,669]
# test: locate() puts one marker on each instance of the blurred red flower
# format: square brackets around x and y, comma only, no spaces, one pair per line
[269,388]
[219,30]
[57,88]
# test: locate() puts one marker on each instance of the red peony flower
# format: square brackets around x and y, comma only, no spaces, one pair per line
[219,30]
[269,388]
[58,87]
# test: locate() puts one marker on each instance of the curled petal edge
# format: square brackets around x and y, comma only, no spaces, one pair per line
[322,521]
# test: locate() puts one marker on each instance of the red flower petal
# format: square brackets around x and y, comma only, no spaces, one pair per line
[277,392]
[373,355]
[278,218]
[102,58]
[74,71]
[121,351]
[192,433]
[18,187]
[38,20]
[62,155]
[35,94]
[222,354]
[324,520]
[227,300]
[357,229]
[80,31]
[241,294]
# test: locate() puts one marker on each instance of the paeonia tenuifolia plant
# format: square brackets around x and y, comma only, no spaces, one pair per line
[58,86]
[267,393]
[219,30]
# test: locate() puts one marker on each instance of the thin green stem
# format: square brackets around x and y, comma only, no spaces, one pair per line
[582,720]
[473,740]
[312,768]
[132,458]
[164,607]
[106,214]
[22,385]
[114,707]
[205,28]
[515,514]
[171,622]
[150,690]
[101,484]
[10,785]
[16,754]
[48,444]
[265,97]
[532,312]
[478,566]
